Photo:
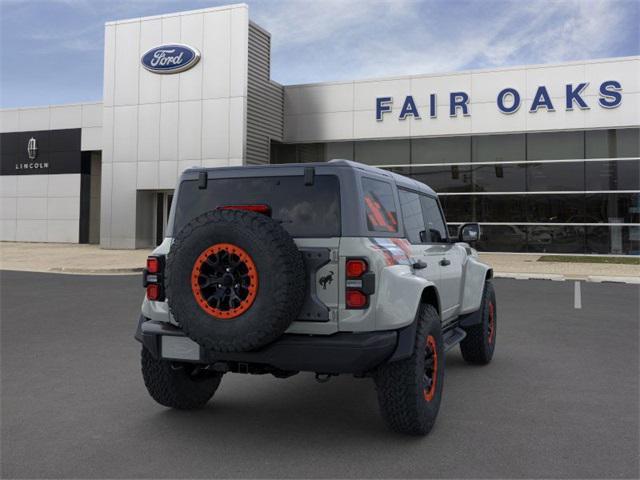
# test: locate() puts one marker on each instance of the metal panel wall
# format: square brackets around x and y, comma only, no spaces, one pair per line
[265,101]
[156,126]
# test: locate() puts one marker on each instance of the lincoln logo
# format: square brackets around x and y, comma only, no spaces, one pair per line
[173,58]
[32,149]
[32,154]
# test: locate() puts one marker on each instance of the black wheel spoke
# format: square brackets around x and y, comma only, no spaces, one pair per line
[209,280]
[225,277]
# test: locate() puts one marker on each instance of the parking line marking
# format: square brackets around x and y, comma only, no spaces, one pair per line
[577,295]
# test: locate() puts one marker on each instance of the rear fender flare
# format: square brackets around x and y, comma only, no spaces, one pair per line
[475,275]
[400,295]
[407,335]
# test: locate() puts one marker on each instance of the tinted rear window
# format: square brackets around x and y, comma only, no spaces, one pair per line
[380,206]
[303,210]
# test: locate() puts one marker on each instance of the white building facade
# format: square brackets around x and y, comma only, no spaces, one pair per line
[545,157]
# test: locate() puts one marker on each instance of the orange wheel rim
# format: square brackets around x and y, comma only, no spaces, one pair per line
[430,369]
[224,280]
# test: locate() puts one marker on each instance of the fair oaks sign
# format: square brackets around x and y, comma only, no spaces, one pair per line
[508,100]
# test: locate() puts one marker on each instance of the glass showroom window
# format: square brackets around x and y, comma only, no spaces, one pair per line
[555,145]
[503,238]
[499,148]
[445,178]
[459,208]
[383,152]
[613,143]
[549,208]
[499,178]
[501,208]
[612,175]
[440,150]
[558,177]
[613,207]
[556,238]
[618,240]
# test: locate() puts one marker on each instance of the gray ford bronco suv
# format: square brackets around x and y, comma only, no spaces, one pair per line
[330,268]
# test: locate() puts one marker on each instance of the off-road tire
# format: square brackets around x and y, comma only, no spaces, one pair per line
[401,387]
[479,344]
[279,267]
[171,383]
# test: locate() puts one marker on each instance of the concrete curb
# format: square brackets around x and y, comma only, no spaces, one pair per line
[599,279]
[95,271]
[530,276]
[76,271]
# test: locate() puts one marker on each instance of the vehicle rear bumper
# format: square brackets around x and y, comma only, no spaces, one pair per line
[338,353]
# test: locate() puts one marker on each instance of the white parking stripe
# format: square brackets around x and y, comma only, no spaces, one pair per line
[577,296]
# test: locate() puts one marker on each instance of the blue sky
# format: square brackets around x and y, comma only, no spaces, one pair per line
[51,51]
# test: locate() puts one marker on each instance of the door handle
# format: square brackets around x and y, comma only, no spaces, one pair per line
[444,262]
[419,265]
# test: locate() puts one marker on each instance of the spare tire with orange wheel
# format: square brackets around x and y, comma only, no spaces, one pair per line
[235,280]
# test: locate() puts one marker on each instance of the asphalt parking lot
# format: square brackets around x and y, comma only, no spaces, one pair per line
[559,400]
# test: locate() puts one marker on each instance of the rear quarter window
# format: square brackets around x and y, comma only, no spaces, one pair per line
[303,210]
[380,206]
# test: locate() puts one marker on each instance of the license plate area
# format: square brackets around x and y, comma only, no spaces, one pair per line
[179,348]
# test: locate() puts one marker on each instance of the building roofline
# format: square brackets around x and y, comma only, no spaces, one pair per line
[467,72]
[179,14]
[53,105]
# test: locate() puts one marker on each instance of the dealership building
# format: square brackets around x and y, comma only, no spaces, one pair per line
[545,157]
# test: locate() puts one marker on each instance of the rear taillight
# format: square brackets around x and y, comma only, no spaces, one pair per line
[259,208]
[356,299]
[360,283]
[356,267]
[153,265]
[153,291]
[152,278]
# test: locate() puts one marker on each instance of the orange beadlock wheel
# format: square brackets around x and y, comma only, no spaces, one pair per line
[430,369]
[224,281]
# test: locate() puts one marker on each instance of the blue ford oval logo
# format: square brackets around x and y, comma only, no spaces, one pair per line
[172,58]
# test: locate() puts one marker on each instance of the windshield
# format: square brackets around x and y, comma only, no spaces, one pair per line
[303,210]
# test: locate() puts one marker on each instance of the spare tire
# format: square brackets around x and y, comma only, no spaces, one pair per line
[235,280]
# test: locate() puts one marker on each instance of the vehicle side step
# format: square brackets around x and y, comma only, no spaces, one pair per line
[453,337]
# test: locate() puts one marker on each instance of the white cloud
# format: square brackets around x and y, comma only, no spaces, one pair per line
[327,40]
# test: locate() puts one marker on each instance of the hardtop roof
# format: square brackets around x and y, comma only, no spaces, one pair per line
[400,180]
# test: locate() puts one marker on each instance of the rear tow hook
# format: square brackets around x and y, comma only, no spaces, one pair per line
[323,377]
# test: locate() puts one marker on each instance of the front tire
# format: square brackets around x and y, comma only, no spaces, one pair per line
[410,390]
[177,385]
[480,342]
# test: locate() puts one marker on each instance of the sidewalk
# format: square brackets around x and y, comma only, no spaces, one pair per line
[90,259]
[69,258]
[527,266]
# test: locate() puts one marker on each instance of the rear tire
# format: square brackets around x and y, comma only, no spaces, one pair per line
[409,397]
[171,383]
[480,342]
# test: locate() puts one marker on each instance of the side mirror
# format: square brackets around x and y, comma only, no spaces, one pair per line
[469,233]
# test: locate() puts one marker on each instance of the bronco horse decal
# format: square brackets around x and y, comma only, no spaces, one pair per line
[326,280]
